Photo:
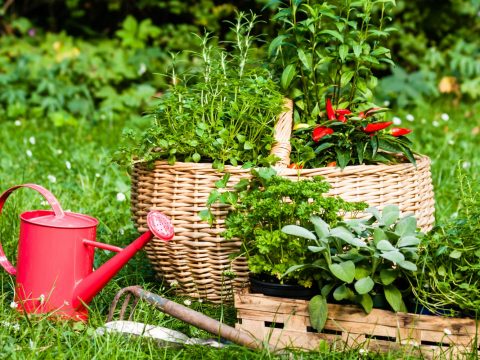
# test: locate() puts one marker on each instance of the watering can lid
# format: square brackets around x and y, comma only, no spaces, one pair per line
[68,220]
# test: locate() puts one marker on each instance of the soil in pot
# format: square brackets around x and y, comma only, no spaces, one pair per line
[270,287]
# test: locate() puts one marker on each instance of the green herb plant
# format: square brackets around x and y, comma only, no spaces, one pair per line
[329,49]
[261,206]
[449,280]
[359,261]
[225,114]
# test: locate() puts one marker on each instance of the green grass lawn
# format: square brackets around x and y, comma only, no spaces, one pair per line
[74,163]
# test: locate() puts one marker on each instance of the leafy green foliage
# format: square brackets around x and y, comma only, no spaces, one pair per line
[450,260]
[225,116]
[329,48]
[266,203]
[360,259]
[64,80]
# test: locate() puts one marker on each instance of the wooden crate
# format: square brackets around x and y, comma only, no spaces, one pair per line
[285,323]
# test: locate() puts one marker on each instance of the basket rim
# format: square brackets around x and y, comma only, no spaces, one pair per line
[421,159]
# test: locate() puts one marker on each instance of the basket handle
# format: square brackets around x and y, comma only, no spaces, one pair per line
[282,132]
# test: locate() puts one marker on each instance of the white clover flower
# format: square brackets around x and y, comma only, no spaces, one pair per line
[386,103]
[435,123]
[121,231]
[41,299]
[447,331]
[396,120]
[18,123]
[44,202]
[13,305]
[200,301]
[451,142]
[410,117]
[187,302]
[173,283]
[97,175]
[29,153]
[16,327]
[52,178]
[59,152]
[445,117]
[121,196]
[31,140]
[68,165]
[466,164]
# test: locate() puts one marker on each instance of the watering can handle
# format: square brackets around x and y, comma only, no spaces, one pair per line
[57,209]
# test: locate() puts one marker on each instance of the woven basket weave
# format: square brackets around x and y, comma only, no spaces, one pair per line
[198,261]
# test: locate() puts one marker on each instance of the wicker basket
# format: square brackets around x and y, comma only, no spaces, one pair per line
[198,261]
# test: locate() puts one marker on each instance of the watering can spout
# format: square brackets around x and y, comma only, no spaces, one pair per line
[159,226]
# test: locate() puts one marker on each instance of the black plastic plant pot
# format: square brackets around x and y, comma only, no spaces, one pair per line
[281,290]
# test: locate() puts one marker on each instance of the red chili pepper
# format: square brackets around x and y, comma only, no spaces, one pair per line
[295,166]
[400,131]
[370,128]
[343,112]
[329,108]
[320,132]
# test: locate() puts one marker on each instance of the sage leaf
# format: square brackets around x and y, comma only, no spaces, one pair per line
[406,226]
[318,311]
[385,245]
[390,214]
[299,231]
[364,286]
[321,227]
[407,265]
[379,235]
[344,271]
[394,298]
[408,241]
[316,249]
[394,256]
[388,276]
[367,303]
[342,293]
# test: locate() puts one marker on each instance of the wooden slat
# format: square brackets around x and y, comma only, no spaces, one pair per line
[382,330]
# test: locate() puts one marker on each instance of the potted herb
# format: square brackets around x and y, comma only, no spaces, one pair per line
[325,53]
[449,280]
[218,119]
[260,207]
[224,113]
[359,260]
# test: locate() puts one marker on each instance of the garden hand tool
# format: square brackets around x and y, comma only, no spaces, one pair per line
[182,313]
[54,273]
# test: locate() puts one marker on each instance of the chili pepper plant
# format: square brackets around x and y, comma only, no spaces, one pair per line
[326,52]
[343,137]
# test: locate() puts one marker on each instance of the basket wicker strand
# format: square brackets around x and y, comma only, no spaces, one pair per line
[198,261]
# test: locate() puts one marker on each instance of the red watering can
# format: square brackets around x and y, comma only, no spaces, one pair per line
[54,271]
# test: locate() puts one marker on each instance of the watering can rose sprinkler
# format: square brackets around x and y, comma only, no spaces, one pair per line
[54,273]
